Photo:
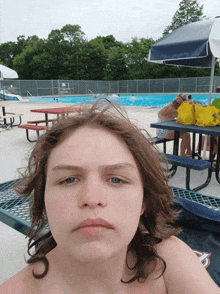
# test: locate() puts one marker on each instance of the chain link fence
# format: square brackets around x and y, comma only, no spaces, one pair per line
[81,87]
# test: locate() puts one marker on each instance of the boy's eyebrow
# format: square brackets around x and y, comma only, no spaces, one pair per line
[66,167]
[123,165]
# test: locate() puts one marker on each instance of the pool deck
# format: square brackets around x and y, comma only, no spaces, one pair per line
[13,155]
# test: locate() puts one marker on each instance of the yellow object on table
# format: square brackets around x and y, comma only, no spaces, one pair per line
[186,114]
[193,114]
[206,116]
[216,103]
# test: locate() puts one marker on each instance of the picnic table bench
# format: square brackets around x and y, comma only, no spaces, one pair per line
[32,127]
[11,116]
[41,121]
[191,163]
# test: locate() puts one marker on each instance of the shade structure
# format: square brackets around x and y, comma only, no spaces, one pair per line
[8,73]
[193,45]
[196,44]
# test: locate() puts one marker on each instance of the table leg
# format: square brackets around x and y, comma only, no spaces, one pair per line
[3,112]
[193,145]
[176,142]
[200,146]
[208,180]
[218,162]
[211,151]
[46,118]
[173,169]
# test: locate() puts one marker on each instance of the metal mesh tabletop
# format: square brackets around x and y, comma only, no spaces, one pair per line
[14,211]
[11,202]
[208,201]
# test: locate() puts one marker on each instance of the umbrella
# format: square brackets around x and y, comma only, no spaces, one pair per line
[7,72]
[196,45]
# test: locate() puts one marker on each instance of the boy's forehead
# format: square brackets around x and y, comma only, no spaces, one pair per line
[93,134]
[97,143]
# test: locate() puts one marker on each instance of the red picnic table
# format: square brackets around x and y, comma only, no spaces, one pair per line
[58,111]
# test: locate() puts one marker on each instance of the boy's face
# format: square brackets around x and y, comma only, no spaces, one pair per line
[92,175]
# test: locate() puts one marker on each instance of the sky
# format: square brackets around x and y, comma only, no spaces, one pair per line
[124,19]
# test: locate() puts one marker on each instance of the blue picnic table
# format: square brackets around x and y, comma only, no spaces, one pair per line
[192,163]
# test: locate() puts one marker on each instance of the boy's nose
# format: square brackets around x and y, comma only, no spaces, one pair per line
[93,195]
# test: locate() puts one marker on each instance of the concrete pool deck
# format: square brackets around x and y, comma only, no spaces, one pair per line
[14,152]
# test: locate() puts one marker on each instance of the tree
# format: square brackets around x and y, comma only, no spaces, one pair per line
[7,54]
[116,68]
[92,61]
[73,34]
[30,64]
[137,51]
[9,50]
[189,11]
[73,45]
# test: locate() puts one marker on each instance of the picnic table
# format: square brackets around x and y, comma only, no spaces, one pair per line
[34,125]
[58,111]
[8,115]
[192,163]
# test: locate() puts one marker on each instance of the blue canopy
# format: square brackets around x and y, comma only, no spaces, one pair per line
[193,44]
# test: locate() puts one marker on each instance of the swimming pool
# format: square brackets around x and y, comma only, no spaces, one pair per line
[157,100]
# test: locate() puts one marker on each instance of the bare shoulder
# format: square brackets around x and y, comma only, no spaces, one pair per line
[19,283]
[184,271]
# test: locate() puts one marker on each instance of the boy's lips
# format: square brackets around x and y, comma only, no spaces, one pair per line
[99,222]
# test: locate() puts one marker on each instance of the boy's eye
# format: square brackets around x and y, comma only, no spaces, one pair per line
[69,180]
[116,180]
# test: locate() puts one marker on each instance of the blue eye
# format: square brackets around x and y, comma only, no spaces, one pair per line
[116,180]
[70,180]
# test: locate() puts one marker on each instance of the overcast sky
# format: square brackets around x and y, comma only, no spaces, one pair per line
[122,18]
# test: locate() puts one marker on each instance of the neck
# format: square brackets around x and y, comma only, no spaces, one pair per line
[102,276]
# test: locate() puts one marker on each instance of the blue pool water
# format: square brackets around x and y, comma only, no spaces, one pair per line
[157,100]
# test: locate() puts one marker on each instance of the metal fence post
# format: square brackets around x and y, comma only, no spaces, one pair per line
[52,87]
[37,88]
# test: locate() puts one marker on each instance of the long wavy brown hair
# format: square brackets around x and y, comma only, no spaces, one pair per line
[158,220]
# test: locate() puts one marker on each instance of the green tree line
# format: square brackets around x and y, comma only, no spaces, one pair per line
[67,55]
